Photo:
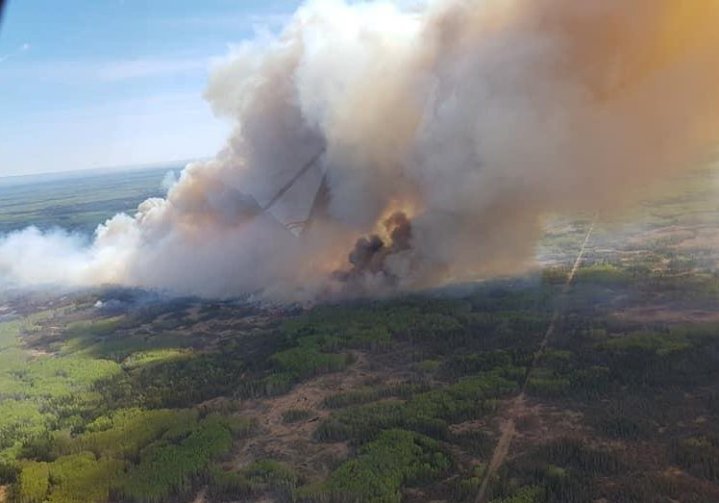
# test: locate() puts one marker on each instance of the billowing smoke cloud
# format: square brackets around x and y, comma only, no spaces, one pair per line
[444,136]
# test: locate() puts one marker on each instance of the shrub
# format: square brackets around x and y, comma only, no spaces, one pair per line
[296,415]
[33,482]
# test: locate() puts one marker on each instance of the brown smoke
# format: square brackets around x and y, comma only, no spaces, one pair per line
[474,120]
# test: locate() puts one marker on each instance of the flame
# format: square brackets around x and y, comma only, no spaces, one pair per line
[409,207]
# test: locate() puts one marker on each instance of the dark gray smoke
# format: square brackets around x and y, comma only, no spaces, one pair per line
[370,270]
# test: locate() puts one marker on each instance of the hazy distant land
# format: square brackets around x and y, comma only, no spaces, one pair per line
[77,201]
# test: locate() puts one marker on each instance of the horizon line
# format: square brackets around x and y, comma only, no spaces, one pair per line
[102,169]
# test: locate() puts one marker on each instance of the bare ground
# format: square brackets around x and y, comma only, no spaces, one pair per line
[537,423]
[201,496]
[667,314]
[293,441]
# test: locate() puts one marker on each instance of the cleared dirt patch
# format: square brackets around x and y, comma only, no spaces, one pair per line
[682,479]
[292,441]
[666,315]
[540,423]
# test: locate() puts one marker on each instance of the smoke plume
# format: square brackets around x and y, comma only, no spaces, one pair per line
[441,136]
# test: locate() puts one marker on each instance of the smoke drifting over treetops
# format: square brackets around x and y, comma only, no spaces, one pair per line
[448,133]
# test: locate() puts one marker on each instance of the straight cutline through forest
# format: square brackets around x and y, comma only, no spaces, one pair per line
[507,428]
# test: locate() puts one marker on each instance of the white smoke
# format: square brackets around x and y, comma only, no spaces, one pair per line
[473,119]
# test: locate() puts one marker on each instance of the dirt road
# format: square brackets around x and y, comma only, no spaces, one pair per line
[517,405]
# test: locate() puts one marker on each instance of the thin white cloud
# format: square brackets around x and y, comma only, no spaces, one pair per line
[156,128]
[22,48]
[241,22]
[138,105]
[139,68]
[76,71]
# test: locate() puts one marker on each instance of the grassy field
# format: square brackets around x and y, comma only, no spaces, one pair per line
[151,399]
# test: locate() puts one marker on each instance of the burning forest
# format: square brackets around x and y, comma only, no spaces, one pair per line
[378,149]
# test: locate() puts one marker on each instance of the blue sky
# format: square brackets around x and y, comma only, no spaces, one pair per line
[93,83]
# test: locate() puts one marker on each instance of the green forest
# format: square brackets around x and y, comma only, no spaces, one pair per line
[156,403]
